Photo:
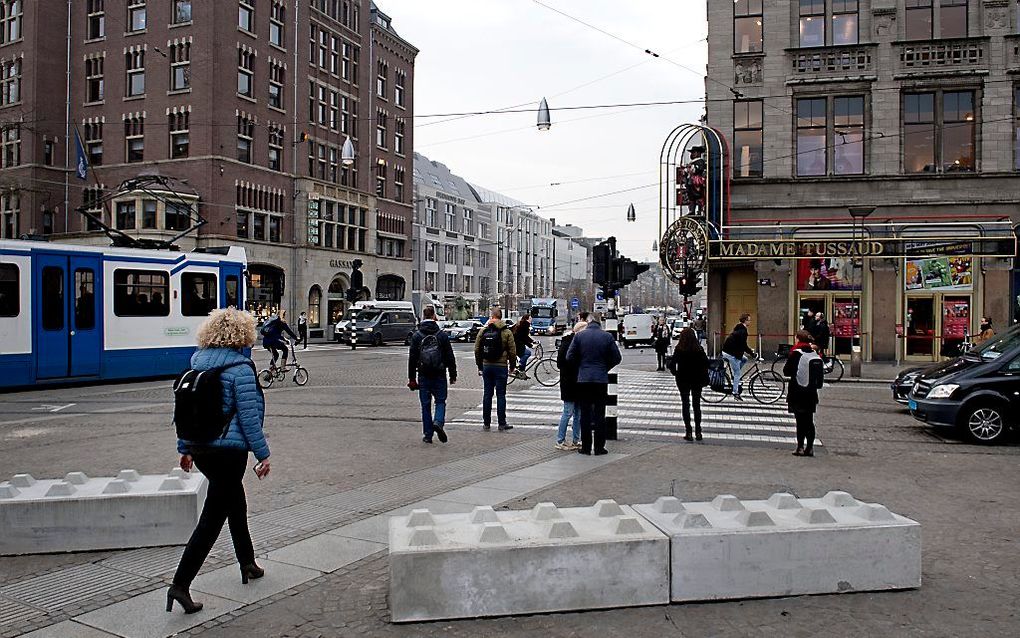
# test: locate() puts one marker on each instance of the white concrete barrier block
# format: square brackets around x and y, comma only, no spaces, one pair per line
[731,549]
[133,475]
[420,518]
[483,514]
[668,505]
[78,513]
[525,562]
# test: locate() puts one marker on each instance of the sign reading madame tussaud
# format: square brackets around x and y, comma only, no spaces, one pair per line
[724,249]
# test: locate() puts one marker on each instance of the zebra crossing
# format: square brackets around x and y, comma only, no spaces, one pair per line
[649,408]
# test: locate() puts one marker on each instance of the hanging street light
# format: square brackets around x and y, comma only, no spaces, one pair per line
[544,119]
[347,152]
[655,245]
[631,214]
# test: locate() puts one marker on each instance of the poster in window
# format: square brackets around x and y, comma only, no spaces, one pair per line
[955,318]
[837,273]
[844,318]
[939,273]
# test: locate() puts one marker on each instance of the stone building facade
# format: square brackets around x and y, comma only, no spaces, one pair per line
[910,108]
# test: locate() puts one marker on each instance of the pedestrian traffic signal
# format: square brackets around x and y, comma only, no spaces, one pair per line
[690,284]
[603,255]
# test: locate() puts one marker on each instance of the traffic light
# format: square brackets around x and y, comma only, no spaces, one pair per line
[603,255]
[627,270]
[690,284]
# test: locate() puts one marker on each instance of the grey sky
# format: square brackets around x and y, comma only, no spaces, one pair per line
[491,54]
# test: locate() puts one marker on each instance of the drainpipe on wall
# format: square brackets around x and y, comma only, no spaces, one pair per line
[67,125]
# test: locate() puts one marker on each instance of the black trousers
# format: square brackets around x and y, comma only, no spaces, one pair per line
[224,501]
[805,429]
[660,358]
[591,403]
[302,336]
[687,394]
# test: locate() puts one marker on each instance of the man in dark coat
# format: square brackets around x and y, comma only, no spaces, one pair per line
[663,335]
[429,360]
[568,393]
[821,334]
[595,353]
[734,348]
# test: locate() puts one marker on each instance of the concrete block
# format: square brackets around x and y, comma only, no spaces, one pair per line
[78,513]
[730,549]
[545,559]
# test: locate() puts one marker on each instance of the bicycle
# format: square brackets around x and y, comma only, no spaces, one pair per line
[544,369]
[274,373]
[832,367]
[766,385]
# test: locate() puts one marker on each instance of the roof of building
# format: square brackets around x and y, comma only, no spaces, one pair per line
[485,195]
[438,176]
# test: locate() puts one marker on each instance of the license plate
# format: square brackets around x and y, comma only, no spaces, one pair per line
[912,404]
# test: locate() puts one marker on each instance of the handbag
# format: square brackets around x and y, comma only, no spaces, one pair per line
[717,375]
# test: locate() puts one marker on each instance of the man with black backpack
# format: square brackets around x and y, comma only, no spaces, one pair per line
[494,353]
[430,359]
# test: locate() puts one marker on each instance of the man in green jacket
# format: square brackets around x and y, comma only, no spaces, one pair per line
[496,357]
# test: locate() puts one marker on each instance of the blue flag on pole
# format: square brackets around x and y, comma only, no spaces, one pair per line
[82,167]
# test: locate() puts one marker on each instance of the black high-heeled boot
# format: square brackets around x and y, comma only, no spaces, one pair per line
[697,433]
[687,434]
[253,572]
[183,597]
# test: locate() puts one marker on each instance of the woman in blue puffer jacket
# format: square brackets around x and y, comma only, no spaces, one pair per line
[221,339]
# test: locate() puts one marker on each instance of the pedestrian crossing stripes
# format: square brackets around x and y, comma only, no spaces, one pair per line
[649,407]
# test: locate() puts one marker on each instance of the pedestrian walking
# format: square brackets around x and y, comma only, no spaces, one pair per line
[272,336]
[429,361]
[595,353]
[821,333]
[302,330]
[690,365]
[619,330]
[734,350]
[568,393]
[700,329]
[222,458]
[494,353]
[805,372]
[522,344]
[662,338]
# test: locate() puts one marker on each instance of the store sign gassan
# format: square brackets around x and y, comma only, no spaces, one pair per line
[343,264]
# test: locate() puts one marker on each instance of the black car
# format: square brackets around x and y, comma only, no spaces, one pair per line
[978,392]
[904,382]
[466,330]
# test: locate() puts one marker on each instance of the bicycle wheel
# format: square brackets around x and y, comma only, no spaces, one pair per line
[834,370]
[547,373]
[300,376]
[266,378]
[767,386]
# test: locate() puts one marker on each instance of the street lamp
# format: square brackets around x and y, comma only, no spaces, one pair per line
[858,213]
[631,213]
[544,120]
[347,152]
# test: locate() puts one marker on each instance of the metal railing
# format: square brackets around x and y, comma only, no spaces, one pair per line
[832,60]
[964,52]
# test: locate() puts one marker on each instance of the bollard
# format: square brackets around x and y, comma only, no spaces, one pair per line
[611,405]
[855,362]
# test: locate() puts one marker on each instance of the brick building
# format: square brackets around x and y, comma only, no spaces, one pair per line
[246,104]
[907,107]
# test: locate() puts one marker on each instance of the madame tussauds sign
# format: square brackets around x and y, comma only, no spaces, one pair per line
[796,249]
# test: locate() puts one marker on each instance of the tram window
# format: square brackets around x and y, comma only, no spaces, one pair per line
[10,295]
[198,294]
[141,293]
[84,299]
[52,298]
[233,284]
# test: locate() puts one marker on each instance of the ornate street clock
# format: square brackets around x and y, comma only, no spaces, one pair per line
[683,251]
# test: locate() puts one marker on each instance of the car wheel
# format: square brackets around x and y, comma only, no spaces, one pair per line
[985,423]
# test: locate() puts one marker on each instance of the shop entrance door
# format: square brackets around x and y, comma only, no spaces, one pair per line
[936,325]
[919,329]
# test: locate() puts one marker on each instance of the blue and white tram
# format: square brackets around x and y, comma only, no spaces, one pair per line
[86,313]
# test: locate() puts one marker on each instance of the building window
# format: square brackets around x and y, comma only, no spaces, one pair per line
[149,214]
[469,222]
[920,18]
[323,49]
[136,15]
[430,251]
[747,138]
[845,22]
[953,18]
[450,214]
[811,134]
[380,180]
[430,281]
[246,15]
[334,110]
[134,62]
[399,80]
[181,12]
[96,20]
[812,23]
[179,134]
[277,20]
[380,129]
[398,183]
[259,227]
[314,307]
[747,26]
[398,136]
[277,72]
[382,72]
[91,201]
[334,55]
[10,21]
[243,218]
[848,131]
[134,138]
[48,149]
[11,145]
[349,62]
[245,71]
[180,66]
[430,212]
[938,132]
[276,147]
[178,216]
[10,93]
[95,85]
[451,284]
[125,219]
[10,207]
[94,142]
[245,136]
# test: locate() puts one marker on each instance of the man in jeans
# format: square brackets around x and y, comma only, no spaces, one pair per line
[429,361]
[594,352]
[733,350]
[494,353]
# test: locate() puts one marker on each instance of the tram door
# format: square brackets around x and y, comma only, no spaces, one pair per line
[68,338]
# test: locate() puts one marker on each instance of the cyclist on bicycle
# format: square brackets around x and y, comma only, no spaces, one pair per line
[272,336]
[821,334]
[522,341]
[733,350]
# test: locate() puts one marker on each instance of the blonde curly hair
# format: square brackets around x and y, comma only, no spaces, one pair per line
[227,328]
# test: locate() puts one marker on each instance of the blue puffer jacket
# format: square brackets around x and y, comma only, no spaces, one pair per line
[240,391]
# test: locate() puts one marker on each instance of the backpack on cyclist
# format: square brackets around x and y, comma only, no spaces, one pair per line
[717,375]
[267,327]
[430,356]
[492,344]
[198,405]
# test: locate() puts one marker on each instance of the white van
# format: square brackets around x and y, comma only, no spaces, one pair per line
[342,328]
[638,329]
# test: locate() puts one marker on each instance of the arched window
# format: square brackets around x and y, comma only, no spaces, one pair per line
[314,306]
[389,288]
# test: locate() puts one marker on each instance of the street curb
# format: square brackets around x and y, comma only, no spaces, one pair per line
[864,380]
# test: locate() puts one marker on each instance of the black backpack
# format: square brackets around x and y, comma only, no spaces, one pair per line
[492,344]
[430,356]
[198,405]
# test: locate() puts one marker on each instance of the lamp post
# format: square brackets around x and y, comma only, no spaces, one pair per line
[858,213]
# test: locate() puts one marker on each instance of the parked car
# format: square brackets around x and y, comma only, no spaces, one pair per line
[638,329]
[466,330]
[977,392]
[904,383]
[677,325]
[376,327]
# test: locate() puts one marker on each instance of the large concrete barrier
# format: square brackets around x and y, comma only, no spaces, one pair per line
[79,513]
[490,563]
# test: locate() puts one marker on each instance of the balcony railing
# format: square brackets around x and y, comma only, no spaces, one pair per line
[393,224]
[966,53]
[840,60]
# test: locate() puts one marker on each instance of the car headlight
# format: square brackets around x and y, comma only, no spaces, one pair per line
[943,391]
[368,329]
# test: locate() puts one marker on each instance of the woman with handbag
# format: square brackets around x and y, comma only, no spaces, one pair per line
[690,365]
[221,340]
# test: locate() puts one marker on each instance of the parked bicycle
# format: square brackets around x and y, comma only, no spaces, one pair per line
[278,373]
[832,366]
[766,386]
